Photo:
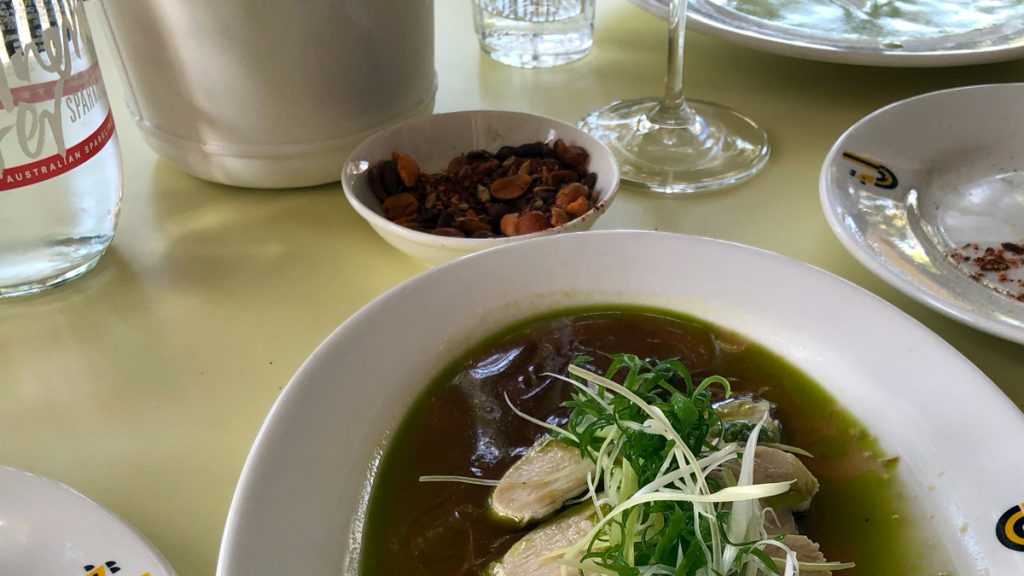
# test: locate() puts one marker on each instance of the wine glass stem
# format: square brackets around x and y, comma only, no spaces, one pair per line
[672,110]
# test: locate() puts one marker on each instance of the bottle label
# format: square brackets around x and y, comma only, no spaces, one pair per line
[57,164]
[51,94]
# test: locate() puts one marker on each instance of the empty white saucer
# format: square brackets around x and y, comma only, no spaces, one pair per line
[47,528]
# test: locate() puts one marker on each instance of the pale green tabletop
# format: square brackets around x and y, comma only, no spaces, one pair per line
[144,383]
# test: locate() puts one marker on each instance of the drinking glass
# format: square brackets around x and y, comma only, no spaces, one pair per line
[534,33]
[670,145]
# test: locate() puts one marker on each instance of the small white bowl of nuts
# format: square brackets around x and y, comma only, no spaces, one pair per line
[443,186]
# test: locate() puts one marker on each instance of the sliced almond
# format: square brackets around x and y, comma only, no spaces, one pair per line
[508,224]
[525,168]
[558,216]
[558,178]
[483,194]
[408,170]
[531,222]
[486,168]
[571,193]
[453,232]
[471,225]
[510,187]
[576,156]
[403,205]
[578,208]
[410,222]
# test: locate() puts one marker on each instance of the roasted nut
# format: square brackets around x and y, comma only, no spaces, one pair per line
[483,194]
[472,225]
[486,168]
[545,193]
[408,169]
[399,206]
[504,153]
[558,216]
[410,223]
[446,219]
[558,178]
[390,181]
[518,190]
[428,218]
[525,168]
[456,165]
[453,232]
[510,187]
[508,224]
[570,193]
[575,156]
[533,149]
[496,210]
[551,164]
[531,222]
[373,177]
[578,208]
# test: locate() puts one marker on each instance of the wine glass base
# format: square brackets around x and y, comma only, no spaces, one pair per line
[718,148]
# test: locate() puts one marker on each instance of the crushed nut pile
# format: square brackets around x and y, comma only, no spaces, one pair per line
[994,263]
[516,190]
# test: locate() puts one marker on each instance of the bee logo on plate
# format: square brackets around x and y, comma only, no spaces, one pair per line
[107,568]
[880,176]
[1010,528]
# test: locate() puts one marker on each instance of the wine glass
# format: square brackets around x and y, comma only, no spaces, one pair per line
[673,146]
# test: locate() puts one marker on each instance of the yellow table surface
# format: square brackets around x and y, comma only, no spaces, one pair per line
[144,383]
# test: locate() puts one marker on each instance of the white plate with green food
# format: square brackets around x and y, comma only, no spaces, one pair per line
[902,33]
[760,414]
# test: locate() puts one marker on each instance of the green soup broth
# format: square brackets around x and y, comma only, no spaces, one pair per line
[461,425]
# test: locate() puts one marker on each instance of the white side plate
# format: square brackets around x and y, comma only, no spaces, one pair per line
[46,528]
[912,184]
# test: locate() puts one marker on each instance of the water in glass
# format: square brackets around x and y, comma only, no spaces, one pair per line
[534,33]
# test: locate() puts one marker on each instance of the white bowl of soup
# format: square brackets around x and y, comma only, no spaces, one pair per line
[433,379]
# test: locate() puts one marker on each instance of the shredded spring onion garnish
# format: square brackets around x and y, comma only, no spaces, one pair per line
[461,480]
[661,508]
[663,503]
